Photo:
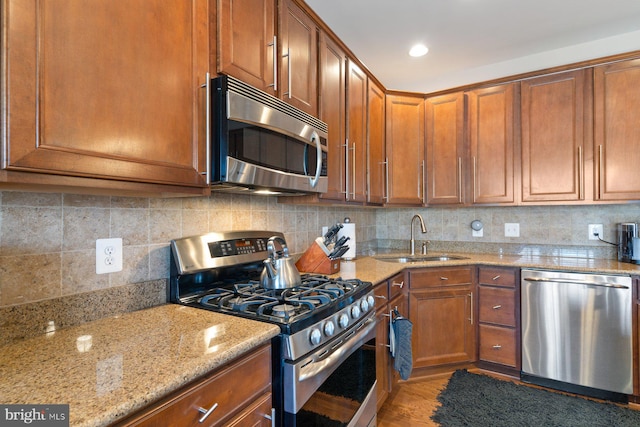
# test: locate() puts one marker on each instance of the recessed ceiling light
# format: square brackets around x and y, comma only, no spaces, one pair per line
[418,50]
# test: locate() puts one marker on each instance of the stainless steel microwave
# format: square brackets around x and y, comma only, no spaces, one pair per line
[261,144]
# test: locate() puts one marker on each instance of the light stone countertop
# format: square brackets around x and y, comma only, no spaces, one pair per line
[372,270]
[114,366]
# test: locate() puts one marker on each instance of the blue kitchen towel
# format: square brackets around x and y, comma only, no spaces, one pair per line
[403,359]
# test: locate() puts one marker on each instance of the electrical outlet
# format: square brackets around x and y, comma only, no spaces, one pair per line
[108,255]
[511,229]
[595,229]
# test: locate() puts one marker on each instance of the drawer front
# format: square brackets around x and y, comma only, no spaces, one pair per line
[497,305]
[497,277]
[498,345]
[231,388]
[381,294]
[436,277]
[397,284]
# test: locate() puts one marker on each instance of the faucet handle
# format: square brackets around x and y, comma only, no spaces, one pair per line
[424,247]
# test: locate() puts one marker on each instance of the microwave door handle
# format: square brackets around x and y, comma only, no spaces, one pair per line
[315,138]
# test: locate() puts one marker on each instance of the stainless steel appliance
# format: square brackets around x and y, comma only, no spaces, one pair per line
[324,358]
[262,144]
[576,332]
[628,247]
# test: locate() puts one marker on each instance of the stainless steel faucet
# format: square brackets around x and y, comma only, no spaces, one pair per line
[423,228]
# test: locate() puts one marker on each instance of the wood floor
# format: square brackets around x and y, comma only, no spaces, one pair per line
[413,402]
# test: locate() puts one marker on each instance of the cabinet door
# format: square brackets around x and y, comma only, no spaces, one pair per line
[443,327]
[101,89]
[617,130]
[445,149]
[491,139]
[383,386]
[376,181]
[247,44]
[356,133]
[299,62]
[553,110]
[405,149]
[333,64]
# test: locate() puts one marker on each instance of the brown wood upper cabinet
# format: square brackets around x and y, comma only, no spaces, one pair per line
[376,178]
[332,103]
[298,58]
[492,143]
[445,149]
[282,62]
[405,149]
[248,43]
[554,110]
[617,130]
[102,90]
[356,170]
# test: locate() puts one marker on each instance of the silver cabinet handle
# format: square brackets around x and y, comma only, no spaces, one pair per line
[460,179]
[346,168]
[444,278]
[600,170]
[386,179]
[288,56]
[353,171]
[497,347]
[474,180]
[580,175]
[381,297]
[207,121]
[496,278]
[422,197]
[471,299]
[271,417]
[206,412]
[400,285]
[275,63]
[497,307]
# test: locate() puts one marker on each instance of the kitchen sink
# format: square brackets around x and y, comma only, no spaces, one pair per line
[419,258]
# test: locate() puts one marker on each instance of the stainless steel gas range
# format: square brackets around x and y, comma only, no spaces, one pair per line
[324,366]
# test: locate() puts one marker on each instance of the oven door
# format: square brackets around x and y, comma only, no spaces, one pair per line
[335,386]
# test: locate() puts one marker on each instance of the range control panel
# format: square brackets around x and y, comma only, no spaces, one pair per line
[237,247]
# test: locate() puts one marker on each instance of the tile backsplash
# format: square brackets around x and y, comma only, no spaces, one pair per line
[47,241]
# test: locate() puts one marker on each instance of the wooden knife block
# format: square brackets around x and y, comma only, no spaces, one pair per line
[314,260]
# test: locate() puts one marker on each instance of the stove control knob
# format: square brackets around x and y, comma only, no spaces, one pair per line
[371,301]
[355,311]
[315,337]
[364,305]
[343,320]
[329,328]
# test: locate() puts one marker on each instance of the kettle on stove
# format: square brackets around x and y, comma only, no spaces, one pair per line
[279,271]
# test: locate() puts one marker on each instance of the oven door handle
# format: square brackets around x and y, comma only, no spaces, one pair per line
[339,355]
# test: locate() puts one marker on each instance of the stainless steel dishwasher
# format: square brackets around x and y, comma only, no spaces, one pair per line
[576,332]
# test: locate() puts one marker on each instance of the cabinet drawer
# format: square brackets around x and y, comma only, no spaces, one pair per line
[436,277]
[497,277]
[497,305]
[381,293]
[498,345]
[396,285]
[231,388]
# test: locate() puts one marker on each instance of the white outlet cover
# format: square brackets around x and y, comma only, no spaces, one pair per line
[512,229]
[477,233]
[595,228]
[108,255]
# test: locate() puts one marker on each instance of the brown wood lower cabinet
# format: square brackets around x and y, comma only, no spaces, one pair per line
[389,295]
[498,317]
[241,399]
[441,310]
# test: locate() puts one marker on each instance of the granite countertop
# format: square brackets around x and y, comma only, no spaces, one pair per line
[373,270]
[112,367]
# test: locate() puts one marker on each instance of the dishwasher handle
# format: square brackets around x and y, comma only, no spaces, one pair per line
[575,282]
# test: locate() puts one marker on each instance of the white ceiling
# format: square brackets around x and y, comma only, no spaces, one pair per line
[476,40]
